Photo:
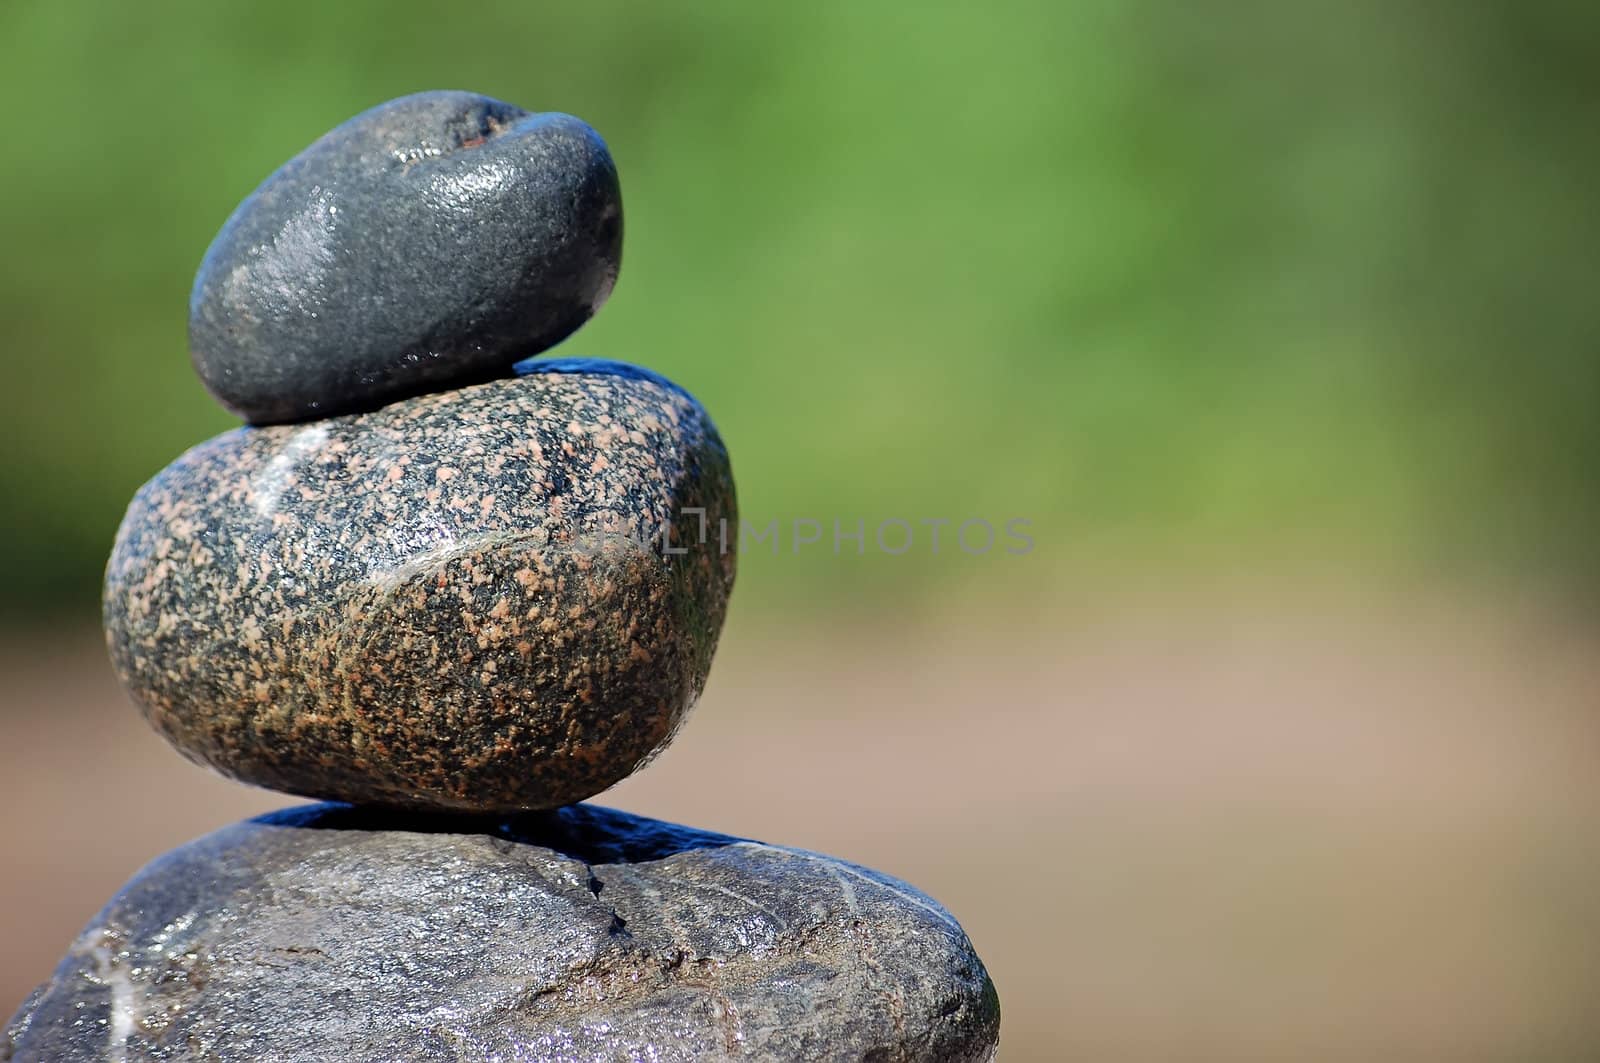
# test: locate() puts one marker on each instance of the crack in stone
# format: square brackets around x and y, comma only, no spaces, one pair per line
[619,925]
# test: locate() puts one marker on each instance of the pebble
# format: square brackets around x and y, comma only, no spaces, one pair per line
[327,932]
[425,244]
[490,599]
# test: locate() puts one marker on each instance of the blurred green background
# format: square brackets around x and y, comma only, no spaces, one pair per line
[1177,282]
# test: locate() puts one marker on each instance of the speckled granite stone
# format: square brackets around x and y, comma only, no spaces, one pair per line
[583,934]
[429,242]
[444,603]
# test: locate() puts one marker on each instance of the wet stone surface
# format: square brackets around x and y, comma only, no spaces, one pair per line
[427,243]
[460,601]
[581,934]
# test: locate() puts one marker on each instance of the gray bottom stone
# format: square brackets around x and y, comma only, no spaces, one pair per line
[329,932]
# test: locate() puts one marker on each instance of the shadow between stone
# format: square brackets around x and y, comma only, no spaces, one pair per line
[590,833]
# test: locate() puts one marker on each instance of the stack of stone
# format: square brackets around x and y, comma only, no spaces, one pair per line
[454,592]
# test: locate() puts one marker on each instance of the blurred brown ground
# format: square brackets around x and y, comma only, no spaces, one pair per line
[1203,825]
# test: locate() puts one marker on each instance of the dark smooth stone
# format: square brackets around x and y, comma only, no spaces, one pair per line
[427,243]
[461,601]
[582,934]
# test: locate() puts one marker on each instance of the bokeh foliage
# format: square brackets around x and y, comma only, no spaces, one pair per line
[1163,277]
